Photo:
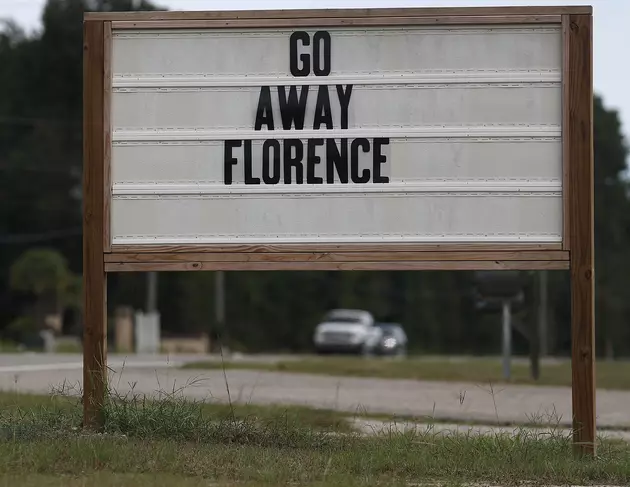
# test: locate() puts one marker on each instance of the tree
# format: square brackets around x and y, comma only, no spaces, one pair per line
[44,274]
[612,228]
[41,137]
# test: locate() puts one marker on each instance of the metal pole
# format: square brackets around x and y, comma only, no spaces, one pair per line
[219,305]
[542,314]
[534,346]
[507,338]
[219,289]
[152,280]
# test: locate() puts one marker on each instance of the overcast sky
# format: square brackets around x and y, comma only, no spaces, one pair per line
[611,33]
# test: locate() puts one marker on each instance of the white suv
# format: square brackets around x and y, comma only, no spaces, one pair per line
[347,330]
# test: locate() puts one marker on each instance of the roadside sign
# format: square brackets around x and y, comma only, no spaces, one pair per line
[366,139]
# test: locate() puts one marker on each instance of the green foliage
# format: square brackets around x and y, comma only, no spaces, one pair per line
[9,347]
[21,328]
[39,271]
[41,139]
[44,273]
[612,228]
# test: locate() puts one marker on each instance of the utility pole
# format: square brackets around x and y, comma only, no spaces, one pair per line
[535,332]
[543,313]
[152,282]
[219,304]
[219,296]
[507,338]
[538,328]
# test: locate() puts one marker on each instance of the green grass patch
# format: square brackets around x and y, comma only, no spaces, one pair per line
[68,347]
[170,415]
[11,402]
[337,461]
[173,441]
[610,375]
[9,347]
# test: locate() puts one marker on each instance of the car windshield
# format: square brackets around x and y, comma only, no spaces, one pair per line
[342,319]
[387,329]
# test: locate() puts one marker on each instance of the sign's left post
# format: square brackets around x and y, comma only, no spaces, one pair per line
[95,138]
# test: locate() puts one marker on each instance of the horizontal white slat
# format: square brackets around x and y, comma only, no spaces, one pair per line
[452,77]
[336,217]
[409,160]
[459,131]
[406,188]
[353,50]
[376,106]
[431,239]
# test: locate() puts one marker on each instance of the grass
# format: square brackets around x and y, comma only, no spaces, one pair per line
[172,413]
[173,441]
[339,462]
[9,347]
[610,375]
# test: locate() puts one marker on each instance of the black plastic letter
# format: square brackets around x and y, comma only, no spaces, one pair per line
[229,160]
[323,113]
[344,101]
[268,178]
[312,160]
[264,112]
[338,160]
[292,110]
[354,161]
[249,178]
[290,161]
[377,159]
[293,54]
[318,69]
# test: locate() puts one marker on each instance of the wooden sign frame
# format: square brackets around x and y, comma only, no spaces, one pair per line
[574,253]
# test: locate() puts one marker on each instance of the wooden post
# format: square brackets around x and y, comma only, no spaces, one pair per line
[94,278]
[579,67]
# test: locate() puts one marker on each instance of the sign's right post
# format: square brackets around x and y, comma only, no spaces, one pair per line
[579,230]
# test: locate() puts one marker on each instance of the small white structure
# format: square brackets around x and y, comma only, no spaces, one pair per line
[147,332]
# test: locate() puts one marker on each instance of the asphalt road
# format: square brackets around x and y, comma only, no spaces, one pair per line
[442,400]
